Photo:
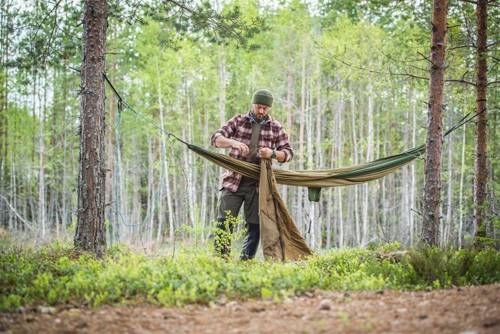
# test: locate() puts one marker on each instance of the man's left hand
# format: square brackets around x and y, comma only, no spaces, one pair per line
[265,153]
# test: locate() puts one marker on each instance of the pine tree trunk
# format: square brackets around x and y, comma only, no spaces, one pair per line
[90,229]
[432,169]
[481,167]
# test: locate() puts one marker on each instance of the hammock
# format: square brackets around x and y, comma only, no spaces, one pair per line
[317,179]
[280,238]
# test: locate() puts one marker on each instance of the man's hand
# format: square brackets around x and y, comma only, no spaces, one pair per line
[265,153]
[240,146]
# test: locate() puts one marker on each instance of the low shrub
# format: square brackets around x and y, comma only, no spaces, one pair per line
[56,275]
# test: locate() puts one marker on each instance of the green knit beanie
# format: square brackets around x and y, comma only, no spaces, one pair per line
[263,96]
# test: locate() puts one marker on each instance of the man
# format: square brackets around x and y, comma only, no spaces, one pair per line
[250,137]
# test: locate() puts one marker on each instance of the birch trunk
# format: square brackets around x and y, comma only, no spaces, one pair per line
[461,192]
[369,157]
[413,183]
[165,172]
[340,156]
[41,173]
[449,214]
[110,159]
[299,190]
[151,200]
[355,162]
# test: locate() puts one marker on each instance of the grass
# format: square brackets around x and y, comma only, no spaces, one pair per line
[55,275]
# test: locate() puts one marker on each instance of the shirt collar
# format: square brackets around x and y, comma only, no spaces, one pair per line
[251,118]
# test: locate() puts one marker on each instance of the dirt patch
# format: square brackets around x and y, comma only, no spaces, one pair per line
[462,310]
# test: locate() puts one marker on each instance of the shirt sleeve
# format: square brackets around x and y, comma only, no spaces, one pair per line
[283,145]
[227,130]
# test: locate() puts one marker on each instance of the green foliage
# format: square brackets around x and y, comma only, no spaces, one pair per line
[442,268]
[56,275]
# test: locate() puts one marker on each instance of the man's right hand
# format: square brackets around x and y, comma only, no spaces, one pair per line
[240,146]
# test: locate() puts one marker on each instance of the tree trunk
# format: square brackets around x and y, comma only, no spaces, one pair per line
[447,223]
[109,209]
[299,190]
[340,156]
[289,116]
[42,221]
[151,192]
[222,85]
[413,183]
[481,167]
[90,229]
[432,169]
[4,58]
[204,184]
[369,157]
[165,180]
[461,191]
[355,162]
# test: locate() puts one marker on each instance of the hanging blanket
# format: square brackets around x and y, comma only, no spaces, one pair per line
[280,238]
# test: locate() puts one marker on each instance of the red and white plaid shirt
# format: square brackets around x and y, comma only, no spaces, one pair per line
[272,135]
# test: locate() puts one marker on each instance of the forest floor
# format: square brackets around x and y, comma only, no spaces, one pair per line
[474,309]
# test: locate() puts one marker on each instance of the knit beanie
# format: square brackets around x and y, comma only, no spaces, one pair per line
[263,96]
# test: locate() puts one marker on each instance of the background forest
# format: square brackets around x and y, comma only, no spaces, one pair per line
[350,81]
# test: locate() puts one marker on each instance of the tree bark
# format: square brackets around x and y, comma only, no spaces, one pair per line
[109,213]
[340,156]
[432,169]
[90,229]
[481,167]
[447,223]
[461,191]
[42,221]
[355,162]
[413,183]
[369,157]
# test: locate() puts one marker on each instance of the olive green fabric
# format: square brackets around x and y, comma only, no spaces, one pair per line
[343,176]
[279,237]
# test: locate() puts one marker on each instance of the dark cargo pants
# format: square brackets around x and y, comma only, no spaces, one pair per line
[232,202]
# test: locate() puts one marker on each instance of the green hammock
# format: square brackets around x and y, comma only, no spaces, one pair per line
[317,179]
[314,180]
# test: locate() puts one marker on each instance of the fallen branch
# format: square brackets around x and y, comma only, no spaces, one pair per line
[27,223]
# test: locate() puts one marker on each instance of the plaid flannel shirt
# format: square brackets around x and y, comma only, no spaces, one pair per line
[272,135]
